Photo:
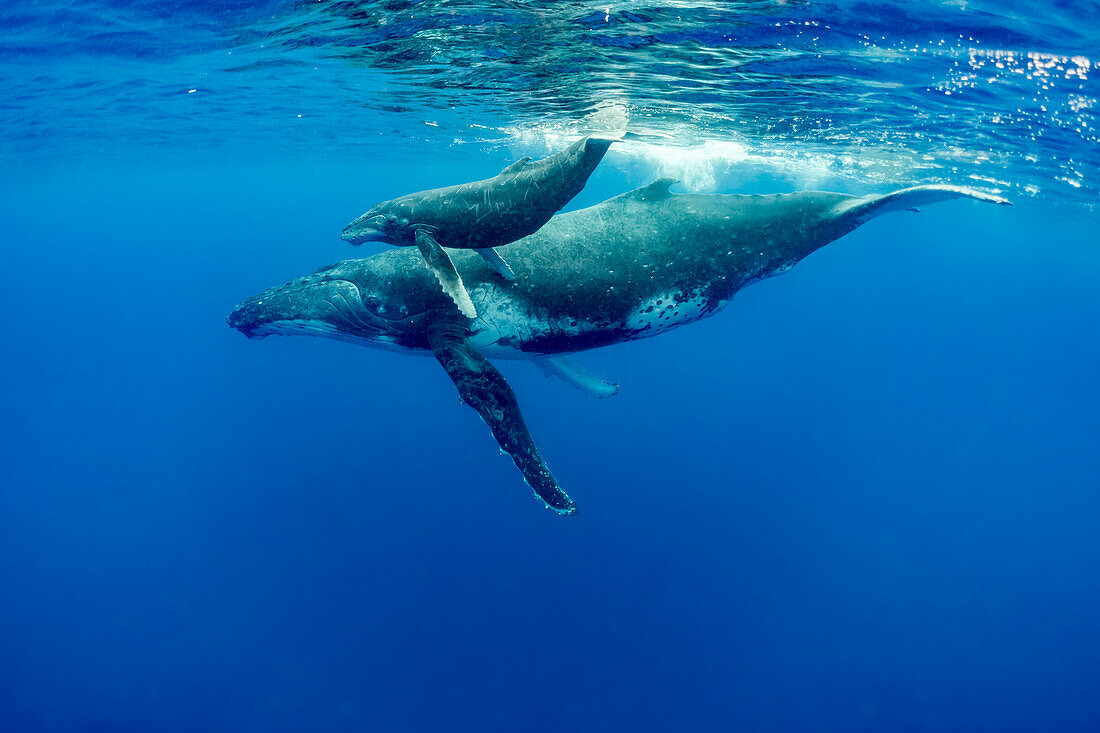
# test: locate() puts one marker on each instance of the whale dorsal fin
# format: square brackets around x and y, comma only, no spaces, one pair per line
[517,166]
[653,192]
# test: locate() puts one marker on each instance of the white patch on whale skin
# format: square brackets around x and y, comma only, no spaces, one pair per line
[502,324]
[663,312]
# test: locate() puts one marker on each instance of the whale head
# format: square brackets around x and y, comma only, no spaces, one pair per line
[385,222]
[363,307]
[373,226]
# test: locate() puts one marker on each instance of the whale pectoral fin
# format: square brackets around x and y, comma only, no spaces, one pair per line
[437,260]
[483,388]
[565,368]
[517,166]
[493,258]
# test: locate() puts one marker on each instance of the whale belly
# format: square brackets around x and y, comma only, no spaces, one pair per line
[506,328]
[667,311]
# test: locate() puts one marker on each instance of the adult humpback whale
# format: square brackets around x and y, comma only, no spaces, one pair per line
[482,214]
[630,267]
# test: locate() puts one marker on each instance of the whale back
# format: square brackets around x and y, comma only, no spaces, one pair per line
[635,265]
[500,210]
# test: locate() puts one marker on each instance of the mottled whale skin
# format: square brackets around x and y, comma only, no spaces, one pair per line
[488,213]
[482,214]
[631,267]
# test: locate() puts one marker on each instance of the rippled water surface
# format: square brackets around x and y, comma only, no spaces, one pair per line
[864,497]
[1002,96]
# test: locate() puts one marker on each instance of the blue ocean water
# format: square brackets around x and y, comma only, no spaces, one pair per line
[865,496]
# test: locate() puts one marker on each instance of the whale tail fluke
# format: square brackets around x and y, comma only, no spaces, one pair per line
[908,199]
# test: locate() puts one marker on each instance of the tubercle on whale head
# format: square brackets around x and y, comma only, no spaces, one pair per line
[370,227]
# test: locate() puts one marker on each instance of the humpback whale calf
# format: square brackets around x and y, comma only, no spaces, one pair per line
[481,215]
[631,267]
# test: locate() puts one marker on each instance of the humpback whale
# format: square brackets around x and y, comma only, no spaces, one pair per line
[480,215]
[631,267]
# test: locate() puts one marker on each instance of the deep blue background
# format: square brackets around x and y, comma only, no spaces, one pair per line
[864,497]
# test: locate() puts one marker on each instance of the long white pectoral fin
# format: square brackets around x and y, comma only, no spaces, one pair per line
[565,368]
[437,260]
[493,257]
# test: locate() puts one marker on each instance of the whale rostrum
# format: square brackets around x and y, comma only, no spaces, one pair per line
[481,215]
[631,267]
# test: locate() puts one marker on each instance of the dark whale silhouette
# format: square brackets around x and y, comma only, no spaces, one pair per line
[631,267]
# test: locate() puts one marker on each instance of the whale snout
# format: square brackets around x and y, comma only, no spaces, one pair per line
[365,229]
[254,316]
